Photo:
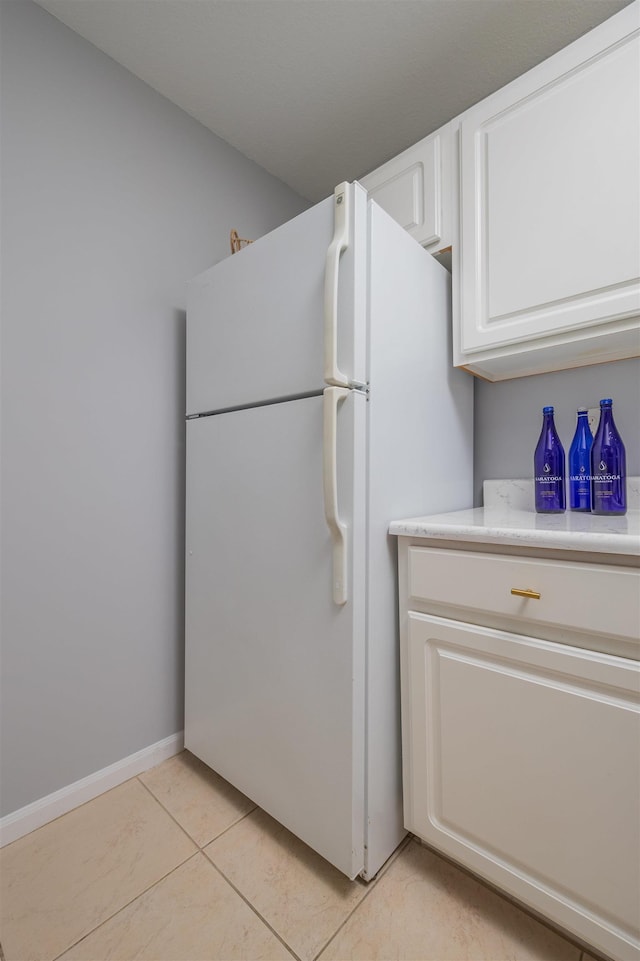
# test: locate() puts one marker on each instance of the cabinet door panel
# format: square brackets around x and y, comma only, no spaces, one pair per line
[555,179]
[414,189]
[550,198]
[524,765]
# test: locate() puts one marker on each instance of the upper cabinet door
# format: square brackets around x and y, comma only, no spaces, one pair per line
[549,253]
[415,189]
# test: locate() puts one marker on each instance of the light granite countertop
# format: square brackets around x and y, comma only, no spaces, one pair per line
[508,518]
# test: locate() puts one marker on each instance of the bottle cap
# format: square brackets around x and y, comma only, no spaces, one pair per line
[606,402]
[583,410]
[548,410]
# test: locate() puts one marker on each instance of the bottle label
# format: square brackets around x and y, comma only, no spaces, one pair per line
[608,485]
[549,469]
[603,480]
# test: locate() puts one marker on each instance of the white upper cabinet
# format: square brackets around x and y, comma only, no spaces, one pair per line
[547,263]
[415,189]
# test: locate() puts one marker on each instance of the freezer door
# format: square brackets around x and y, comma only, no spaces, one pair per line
[255,321]
[275,669]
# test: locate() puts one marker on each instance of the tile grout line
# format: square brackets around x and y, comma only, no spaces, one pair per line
[253,908]
[371,886]
[158,802]
[199,850]
[148,888]
[132,901]
[200,847]
[209,861]
[230,826]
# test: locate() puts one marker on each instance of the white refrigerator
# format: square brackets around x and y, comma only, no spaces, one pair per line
[321,404]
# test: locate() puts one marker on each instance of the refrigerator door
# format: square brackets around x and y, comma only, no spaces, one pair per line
[255,327]
[275,670]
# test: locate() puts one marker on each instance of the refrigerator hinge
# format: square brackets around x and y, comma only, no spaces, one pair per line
[362,388]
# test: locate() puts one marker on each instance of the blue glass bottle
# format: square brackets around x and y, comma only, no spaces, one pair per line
[608,466]
[548,468]
[580,464]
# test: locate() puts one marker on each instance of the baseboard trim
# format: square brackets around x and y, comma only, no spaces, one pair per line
[32,816]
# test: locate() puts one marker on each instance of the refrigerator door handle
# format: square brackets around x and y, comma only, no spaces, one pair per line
[332,374]
[332,398]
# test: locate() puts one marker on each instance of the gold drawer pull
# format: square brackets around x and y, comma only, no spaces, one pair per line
[520,593]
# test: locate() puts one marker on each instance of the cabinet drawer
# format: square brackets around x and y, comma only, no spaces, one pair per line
[583,597]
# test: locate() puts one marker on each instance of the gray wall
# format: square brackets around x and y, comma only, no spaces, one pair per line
[508,415]
[111,199]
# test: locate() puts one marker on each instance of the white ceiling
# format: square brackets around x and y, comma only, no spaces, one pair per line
[320,91]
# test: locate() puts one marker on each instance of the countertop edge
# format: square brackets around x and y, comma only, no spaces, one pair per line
[598,543]
[508,519]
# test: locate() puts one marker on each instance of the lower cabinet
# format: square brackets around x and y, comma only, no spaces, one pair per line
[521,761]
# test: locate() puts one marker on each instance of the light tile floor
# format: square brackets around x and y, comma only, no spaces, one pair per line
[176,864]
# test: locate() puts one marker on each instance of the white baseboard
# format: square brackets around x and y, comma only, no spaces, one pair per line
[32,816]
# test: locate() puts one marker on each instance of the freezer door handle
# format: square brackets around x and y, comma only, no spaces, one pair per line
[332,374]
[332,398]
